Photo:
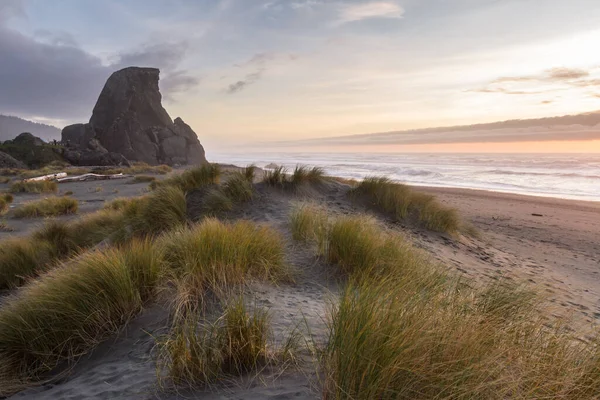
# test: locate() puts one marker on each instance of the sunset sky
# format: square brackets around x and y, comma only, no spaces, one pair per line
[266,70]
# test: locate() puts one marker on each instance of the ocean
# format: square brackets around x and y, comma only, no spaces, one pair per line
[568,176]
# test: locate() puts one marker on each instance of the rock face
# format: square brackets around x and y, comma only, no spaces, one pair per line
[7,161]
[129,120]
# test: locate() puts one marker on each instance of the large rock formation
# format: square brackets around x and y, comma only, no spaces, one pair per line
[129,120]
[6,161]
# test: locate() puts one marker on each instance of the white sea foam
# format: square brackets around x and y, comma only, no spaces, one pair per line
[570,176]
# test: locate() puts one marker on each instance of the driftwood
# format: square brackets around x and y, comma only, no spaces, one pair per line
[49,177]
[92,177]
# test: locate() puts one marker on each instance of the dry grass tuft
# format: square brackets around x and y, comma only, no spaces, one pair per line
[400,201]
[48,207]
[250,173]
[276,177]
[34,187]
[405,328]
[196,354]
[70,310]
[5,200]
[191,179]
[4,179]
[140,168]
[143,179]
[302,175]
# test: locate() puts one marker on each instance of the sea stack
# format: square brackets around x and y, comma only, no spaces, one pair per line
[129,120]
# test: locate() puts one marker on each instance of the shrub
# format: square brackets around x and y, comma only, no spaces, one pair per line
[399,200]
[34,187]
[197,354]
[51,206]
[70,310]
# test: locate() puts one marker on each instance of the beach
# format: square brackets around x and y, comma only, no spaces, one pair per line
[547,244]
[551,243]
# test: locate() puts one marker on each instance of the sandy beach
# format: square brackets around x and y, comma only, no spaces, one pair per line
[551,243]
[548,243]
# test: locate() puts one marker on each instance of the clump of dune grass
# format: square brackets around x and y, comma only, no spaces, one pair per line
[34,187]
[407,328]
[213,256]
[4,227]
[143,179]
[140,168]
[250,173]
[164,209]
[48,207]
[303,174]
[275,177]
[4,179]
[199,353]
[68,311]
[191,179]
[26,257]
[215,202]
[238,188]
[21,259]
[5,200]
[309,223]
[400,201]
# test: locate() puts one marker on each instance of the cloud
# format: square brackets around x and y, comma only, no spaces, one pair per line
[558,77]
[553,74]
[374,9]
[507,91]
[50,76]
[166,56]
[258,64]
[248,80]
[566,74]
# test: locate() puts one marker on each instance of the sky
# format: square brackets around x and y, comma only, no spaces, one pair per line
[241,71]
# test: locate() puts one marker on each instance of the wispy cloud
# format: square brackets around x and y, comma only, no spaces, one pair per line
[374,9]
[258,64]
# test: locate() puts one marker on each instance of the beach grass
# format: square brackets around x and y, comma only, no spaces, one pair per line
[143,179]
[34,187]
[5,179]
[5,200]
[302,175]
[213,256]
[163,209]
[275,177]
[238,188]
[195,178]
[71,309]
[140,168]
[199,353]
[406,328]
[309,223]
[250,173]
[400,201]
[48,207]
[216,202]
